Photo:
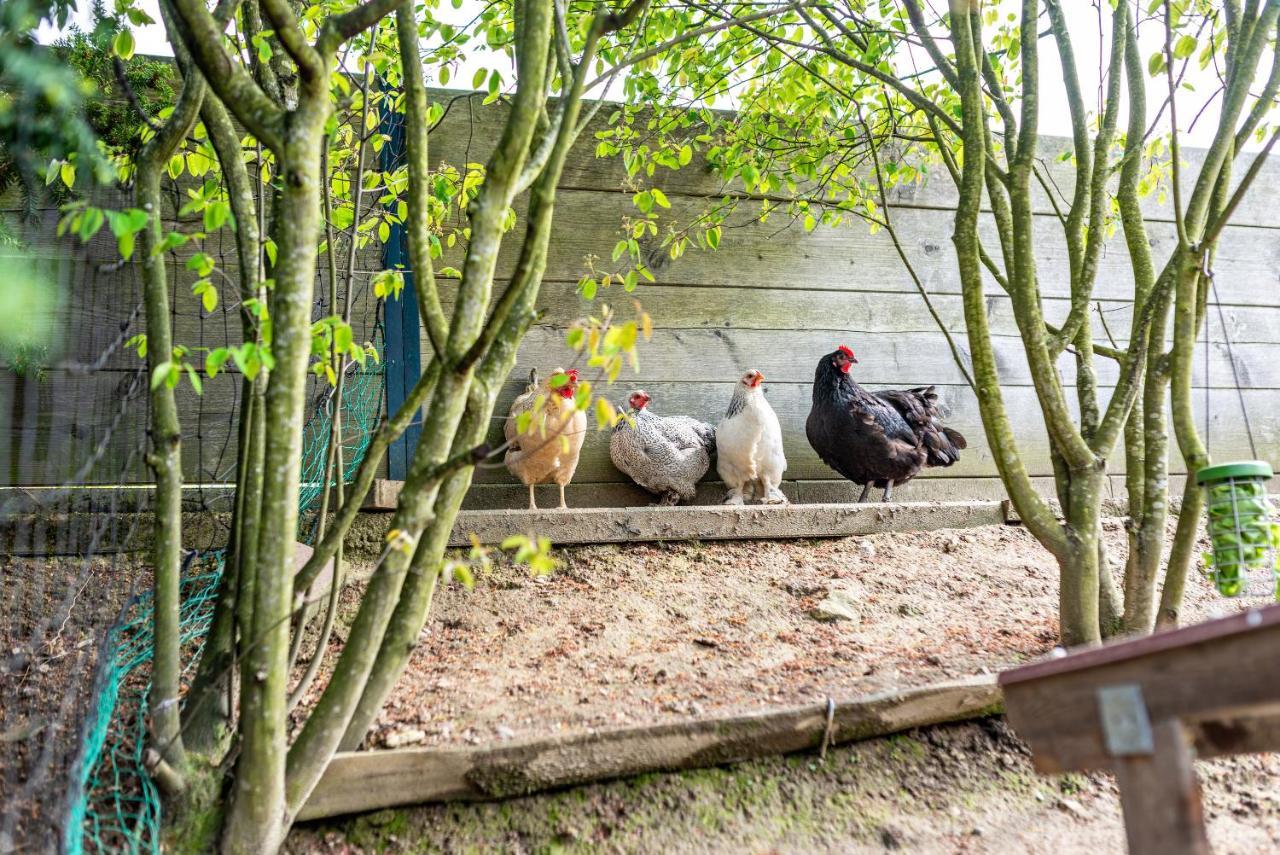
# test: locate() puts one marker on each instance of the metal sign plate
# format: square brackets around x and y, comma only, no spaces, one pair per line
[1125,722]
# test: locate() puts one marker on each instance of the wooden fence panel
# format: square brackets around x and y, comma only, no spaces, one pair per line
[772,298]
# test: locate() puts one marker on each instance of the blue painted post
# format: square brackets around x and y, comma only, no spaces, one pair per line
[403,340]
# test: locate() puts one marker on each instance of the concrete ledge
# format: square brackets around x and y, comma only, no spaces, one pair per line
[720,522]
[45,533]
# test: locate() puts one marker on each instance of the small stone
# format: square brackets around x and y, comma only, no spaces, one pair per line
[866,549]
[399,738]
[504,732]
[839,605]
[891,837]
[1072,807]
[950,544]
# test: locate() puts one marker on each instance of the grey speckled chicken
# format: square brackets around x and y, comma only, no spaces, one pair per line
[667,455]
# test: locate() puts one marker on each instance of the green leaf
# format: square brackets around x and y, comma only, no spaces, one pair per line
[660,198]
[91,221]
[686,155]
[1156,64]
[215,215]
[195,380]
[604,414]
[160,374]
[67,172]
[123,45]
[124,244]
[1184,46]
[342,339]
[215,360]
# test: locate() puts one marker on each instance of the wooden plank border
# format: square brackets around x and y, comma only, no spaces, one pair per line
[371,780]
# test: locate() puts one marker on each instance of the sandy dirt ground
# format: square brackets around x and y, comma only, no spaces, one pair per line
[963,788]
[651,632]
[660,632]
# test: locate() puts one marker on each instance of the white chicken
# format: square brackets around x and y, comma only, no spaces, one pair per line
[547,451]
[749,446]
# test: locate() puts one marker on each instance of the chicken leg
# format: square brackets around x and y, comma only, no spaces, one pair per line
[888,491]
[563,506]
[866,488]
[533,506]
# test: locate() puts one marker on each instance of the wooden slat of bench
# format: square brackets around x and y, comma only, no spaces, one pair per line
[1252,620]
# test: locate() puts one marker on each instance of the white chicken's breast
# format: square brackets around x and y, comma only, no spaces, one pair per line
[749,452]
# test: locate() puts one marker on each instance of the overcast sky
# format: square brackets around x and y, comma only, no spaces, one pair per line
[1054,117]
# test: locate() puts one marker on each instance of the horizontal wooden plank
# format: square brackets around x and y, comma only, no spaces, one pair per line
[470,130]
[366,780]
[778,253]
[1184,674]
[791,401]
[730,307]
[897,358]
[64,410]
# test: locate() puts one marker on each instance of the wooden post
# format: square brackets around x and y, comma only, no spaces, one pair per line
[1160,794]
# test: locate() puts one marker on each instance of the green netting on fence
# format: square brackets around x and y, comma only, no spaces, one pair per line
[117,807]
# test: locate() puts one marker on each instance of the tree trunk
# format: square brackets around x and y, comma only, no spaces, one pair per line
[208,707]
[1079,572]
[257,821]
[165,458]
[1194,454]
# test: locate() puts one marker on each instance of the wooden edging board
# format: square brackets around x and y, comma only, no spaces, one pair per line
[372,780]
[721,522]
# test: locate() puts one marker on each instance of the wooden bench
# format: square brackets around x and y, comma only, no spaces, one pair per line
[1146,708]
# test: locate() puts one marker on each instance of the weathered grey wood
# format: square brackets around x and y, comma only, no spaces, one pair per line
[1192,673]
[470,129]
[67,409]
[791,402]
[772,296]
[886,357]
[368,780]
[778,253]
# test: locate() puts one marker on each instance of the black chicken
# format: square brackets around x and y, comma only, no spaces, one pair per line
[881,438]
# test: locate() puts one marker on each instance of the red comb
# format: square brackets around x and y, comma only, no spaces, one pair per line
[846,350]
[573,374]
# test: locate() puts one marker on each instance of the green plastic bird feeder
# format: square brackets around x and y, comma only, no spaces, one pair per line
[1243,528]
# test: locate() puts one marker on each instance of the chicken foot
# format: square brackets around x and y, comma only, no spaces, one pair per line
[533,506]
[888,491]
[866,488]
[563,506]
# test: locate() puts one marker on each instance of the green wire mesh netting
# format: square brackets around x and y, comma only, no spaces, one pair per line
[117,807]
